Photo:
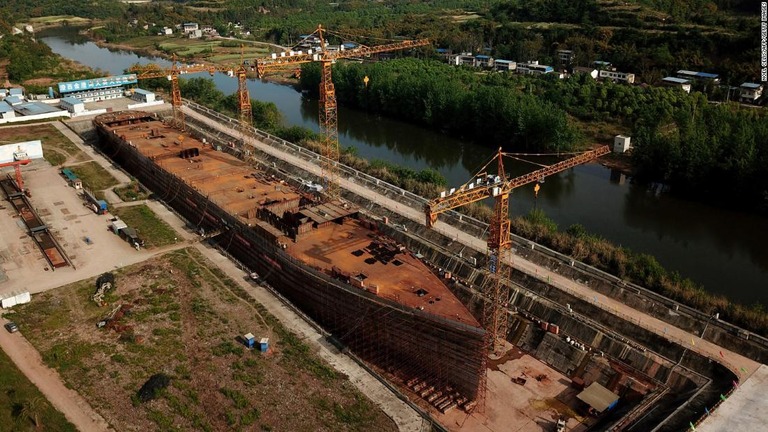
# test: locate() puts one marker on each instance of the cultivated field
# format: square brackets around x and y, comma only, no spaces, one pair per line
[182,317]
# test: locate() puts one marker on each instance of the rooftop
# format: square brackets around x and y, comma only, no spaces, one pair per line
[32,108]
[598,397]
[673,80]
[751,85]
[72,100]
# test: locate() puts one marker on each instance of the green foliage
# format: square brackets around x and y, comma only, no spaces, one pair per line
[18,393]
[237,398]
[227,347]
[94,177]
[265,115]
[642,269]
[453,100]
[27,56]
[153,230]
[707,151]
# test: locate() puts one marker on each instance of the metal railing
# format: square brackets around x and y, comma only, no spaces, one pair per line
[464,222]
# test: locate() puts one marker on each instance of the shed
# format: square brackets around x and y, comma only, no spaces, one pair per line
[72,104]
[72,178]
[117,225]
[142,95]
[598,398]
[264,344]
[14,100]
[250,340]
[621,143]
[6,111]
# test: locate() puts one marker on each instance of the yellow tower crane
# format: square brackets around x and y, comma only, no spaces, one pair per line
[498,186]
[328,114]
[149,71]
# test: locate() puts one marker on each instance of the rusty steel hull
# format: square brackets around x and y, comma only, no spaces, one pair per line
[409,343]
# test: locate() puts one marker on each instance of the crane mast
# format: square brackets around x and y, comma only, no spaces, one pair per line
[155,71]
[328,106]
[482,186]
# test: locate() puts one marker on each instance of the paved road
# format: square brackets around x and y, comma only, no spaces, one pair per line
[736,362]
[68,401]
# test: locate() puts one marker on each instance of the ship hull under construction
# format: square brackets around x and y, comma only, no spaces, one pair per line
[442,350]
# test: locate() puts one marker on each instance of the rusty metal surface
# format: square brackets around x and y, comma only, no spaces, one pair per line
[398,279]
[240,190]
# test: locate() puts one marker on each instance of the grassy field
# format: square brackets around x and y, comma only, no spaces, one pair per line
[132,192]
[185,316]
[153,230]
[56,147]
[214,50]
[94,177]
[20,401]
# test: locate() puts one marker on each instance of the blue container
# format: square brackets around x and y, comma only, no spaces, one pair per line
[264,345]
[250,340]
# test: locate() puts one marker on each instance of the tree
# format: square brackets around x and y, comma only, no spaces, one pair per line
[32,410]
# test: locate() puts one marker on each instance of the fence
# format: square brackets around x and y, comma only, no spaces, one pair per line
[466,223]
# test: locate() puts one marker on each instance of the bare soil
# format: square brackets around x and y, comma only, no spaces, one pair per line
[184,320]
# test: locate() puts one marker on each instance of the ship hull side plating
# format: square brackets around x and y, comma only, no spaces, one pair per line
[407,343]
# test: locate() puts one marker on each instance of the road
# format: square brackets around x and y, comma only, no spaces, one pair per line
[735,362]
[68,401]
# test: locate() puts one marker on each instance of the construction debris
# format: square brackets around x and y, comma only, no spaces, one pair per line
[104,283]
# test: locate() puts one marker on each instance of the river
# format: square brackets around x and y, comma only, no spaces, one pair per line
[722,250]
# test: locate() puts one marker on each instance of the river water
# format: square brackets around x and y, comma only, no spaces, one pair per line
[722,250]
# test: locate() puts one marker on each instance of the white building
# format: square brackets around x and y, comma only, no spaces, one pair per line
[612,74]
[6,111]
[586,71]
[533,68]
[73,105]
[750,92]
[621,144]
[190,27]
[167,31]
[195,34]
[463,59]
[504,65]
[677,82]
[565,56]
[142,95]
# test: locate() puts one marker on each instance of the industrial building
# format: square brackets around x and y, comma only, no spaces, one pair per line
[97,89]
[143,96]
[73,105]
[677,82]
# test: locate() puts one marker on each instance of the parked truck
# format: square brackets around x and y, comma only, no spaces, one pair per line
[97,205]
[126,233]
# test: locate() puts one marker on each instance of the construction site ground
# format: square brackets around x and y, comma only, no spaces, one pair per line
[22,270]
[184,320]
[535,405]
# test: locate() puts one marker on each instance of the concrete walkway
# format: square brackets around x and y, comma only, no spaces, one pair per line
[735,362]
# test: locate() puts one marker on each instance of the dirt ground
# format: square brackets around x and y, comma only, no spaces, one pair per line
[185,316]
[534,406]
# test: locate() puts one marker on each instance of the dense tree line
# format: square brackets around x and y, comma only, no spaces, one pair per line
[453,100]
[714,153]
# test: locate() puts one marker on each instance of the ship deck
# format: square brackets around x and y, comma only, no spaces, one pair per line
[240,190]
[227,181]
[404,279]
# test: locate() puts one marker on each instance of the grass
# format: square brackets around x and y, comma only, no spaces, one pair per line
[16,391]
[153,230]
[132,192]
[56,147]
[94,177]
[208,392]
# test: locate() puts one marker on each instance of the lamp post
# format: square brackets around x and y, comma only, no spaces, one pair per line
[715,316]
